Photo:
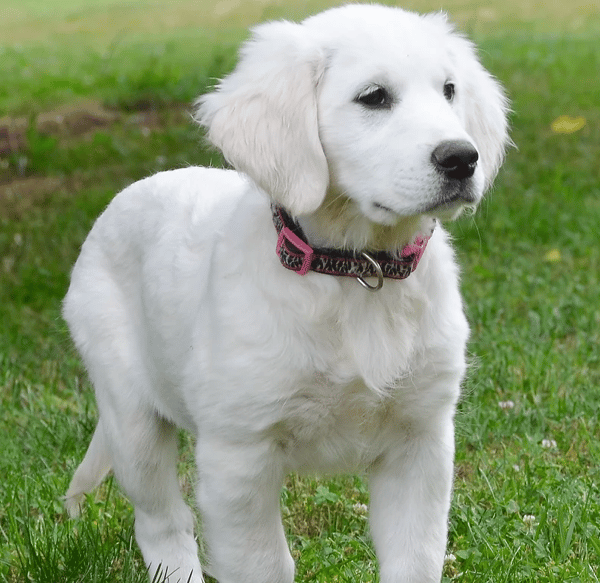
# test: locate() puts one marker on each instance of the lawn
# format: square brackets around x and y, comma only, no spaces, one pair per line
[95,94]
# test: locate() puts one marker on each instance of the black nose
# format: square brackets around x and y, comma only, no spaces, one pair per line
[455,159]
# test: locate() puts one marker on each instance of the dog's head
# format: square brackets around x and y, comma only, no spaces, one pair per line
[389,109]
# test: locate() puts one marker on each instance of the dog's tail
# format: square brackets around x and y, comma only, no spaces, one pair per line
[92,470]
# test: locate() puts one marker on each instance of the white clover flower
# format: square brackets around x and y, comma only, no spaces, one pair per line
[529,520]
[360,508]
[548,443]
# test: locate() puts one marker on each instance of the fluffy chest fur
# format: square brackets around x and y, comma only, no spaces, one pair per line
[357,376]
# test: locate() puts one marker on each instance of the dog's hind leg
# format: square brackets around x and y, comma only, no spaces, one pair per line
[144,456]
[141,447]
[143,452]
[92,470]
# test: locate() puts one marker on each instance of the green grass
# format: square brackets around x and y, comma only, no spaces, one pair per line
[522,511]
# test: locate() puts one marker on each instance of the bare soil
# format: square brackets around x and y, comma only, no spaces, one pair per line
[19,193]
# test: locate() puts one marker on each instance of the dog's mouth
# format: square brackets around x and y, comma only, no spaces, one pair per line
[453,197]
[446,202]
[453,202]
[382,207]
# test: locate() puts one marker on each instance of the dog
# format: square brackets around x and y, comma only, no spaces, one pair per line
[300,312]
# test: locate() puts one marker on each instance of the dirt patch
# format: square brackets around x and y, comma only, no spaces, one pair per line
[19,196]
[67,123]
[75,120]
[67,120]
[13,135]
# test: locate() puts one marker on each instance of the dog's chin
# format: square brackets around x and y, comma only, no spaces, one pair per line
[445,208]
[452,200]
[451,209]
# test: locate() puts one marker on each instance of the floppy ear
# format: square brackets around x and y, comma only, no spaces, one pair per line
[486,107]
[263,116]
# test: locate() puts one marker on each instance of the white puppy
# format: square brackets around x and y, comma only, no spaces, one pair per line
[196,304]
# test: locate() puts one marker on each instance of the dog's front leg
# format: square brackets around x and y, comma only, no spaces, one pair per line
[239,497]
[410,499]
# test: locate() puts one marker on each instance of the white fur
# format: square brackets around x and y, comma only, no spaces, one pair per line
[185,317]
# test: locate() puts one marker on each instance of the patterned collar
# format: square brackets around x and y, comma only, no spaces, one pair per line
[296,254]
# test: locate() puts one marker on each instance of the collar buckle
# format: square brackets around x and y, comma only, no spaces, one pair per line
[416,250]
[287,237]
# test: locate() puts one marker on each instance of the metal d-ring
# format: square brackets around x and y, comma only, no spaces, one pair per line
[378,272]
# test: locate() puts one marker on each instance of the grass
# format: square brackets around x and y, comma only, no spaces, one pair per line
[527,495]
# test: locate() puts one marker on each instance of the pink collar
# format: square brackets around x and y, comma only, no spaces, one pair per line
[296,254]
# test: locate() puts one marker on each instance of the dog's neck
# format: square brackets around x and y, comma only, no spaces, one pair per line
[339,224]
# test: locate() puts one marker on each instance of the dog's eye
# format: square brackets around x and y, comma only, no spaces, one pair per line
[449,91]
[375,98]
